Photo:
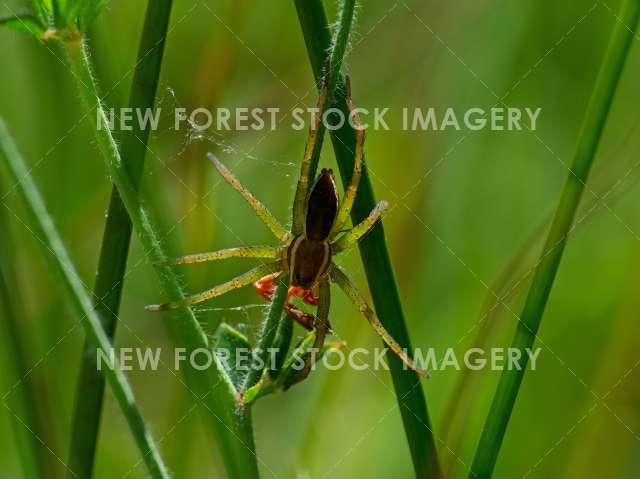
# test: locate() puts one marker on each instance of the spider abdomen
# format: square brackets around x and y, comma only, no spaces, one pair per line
[322,207]
[308,260]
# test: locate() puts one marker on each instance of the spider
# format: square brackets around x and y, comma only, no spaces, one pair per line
[306,254]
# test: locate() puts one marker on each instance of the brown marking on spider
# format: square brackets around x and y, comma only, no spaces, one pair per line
[307,251]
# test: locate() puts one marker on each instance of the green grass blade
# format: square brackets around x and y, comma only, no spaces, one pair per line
[231,427]
[80,299]
[375,256]
[114,250]
[25,23]
[339,43]
[590,133]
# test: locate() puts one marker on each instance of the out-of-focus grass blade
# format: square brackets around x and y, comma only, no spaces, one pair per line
[529,321]
[89,318]
[114,250]
[515,276]
[18,392]
[375,256]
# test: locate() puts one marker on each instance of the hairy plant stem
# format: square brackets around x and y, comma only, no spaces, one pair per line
[232,427]
[89,318]
[339,44]
[114,250]
[538,295]
[375,256]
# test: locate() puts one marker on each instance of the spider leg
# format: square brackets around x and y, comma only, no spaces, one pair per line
[261,210]
[242,252]
[352,189]
[320,328]
[356,298]
[305,170]
[237,282]
[354,234]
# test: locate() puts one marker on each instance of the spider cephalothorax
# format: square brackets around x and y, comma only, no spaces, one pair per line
[306,256]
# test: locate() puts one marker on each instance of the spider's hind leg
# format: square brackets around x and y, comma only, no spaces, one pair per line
[356,297]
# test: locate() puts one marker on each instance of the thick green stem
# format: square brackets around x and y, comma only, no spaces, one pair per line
[232,429]
[529,321]
[375,256]
[114,250]
[90,320]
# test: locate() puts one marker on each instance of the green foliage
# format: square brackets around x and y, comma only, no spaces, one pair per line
[232,429]
[544,276]
[228,340]
[21,402]
[109,281]
[25,23]
[60,19]
[463,205]
[61,262]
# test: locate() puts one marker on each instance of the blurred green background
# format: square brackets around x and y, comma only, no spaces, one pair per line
[468,211]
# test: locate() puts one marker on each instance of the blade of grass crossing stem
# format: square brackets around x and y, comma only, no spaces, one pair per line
[90,320]
[375,257]
[116,238]
[232,427]
[268,332]
[590,133]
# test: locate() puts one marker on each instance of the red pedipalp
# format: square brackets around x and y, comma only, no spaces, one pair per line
[266,287]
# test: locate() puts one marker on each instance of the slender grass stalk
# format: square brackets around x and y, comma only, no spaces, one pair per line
[339,43]
[269,329]
[590,133]
[114,250]
[80,299]
[375,257]
[232,427]
[20,402]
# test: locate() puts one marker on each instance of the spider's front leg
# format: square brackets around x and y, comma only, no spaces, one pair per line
[358,158]
[235,283]
[304,181]
[352,236]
